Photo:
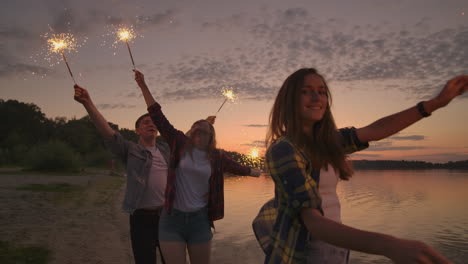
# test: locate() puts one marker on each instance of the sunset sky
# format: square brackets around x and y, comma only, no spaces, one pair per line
[379,57]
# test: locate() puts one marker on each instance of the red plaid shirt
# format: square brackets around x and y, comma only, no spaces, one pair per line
[220,163]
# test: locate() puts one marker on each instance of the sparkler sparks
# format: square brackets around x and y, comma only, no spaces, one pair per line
[254,153]
[126,34]
[252,159]
[59,43]
[229,94]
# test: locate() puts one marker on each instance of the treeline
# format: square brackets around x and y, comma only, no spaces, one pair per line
[31,140]
[247,160]
[407,165]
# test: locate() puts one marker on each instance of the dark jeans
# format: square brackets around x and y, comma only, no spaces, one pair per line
[144,225]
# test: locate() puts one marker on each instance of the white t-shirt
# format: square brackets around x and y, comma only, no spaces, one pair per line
[153,195]
[327,190]
[318,251]
[192,181]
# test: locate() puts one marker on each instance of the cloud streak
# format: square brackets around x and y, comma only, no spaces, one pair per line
[256,125]
[411,138]
[114,106]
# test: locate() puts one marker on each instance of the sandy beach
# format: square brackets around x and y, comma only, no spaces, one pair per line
[85,225]
[82,226]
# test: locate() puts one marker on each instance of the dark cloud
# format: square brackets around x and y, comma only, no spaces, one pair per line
[204,77]
[420,59]
[412,137]
[364,155]
[157,19]
[294,13]
[114,106]
[376,148]
[256,143]
[12,66]
[387,145]
[279,42]
[224,24]
[8,33]
[66,21]
[256,125]
[20,69]
[71,20]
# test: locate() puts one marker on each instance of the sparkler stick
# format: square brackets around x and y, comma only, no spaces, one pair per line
[221,106]
[58,43]
[130,52]
[68,66]
[126,34]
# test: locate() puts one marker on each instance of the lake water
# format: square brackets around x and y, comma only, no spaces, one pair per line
[429,205]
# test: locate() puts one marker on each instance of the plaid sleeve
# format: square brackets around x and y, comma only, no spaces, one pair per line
[350,141]
[229,165]
[288,169]
[172,136]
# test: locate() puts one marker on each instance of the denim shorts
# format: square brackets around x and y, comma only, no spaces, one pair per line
[188,227]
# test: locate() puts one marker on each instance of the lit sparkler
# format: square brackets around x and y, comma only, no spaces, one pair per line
[126,34]
[254,153]
[229,95]
[253,159]
[59,43]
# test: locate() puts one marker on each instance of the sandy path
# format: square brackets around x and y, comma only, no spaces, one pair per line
[87,226]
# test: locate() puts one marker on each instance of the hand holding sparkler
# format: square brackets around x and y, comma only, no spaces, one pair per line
[255,172]
[211,119]
[140,79]
[81,95]
[229,95]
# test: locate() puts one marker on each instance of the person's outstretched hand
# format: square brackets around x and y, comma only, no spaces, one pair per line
[140,78]
[255,172]
[410,251]
[454,87]
[211,119]
[81,95]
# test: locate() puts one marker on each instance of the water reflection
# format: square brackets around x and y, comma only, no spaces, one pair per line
[423,205]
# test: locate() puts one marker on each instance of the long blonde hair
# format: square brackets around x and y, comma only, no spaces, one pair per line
[211,145]
[322,146]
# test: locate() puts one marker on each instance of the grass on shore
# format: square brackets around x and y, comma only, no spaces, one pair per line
[10,254]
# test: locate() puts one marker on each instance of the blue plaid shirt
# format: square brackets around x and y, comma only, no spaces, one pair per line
[278,226]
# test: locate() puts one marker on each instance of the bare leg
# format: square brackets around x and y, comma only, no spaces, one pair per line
[174,252]
[199,253]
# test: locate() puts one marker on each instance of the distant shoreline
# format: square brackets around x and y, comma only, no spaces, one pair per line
[407,165]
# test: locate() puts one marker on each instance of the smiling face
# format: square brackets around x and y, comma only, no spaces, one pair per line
[313,100]
[146,129]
